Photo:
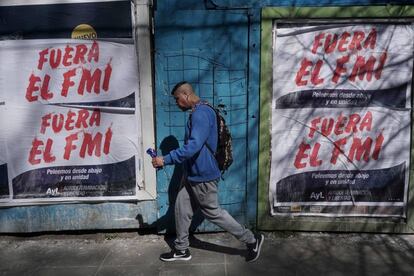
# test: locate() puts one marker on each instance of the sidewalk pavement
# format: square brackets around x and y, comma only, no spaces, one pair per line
[283,253]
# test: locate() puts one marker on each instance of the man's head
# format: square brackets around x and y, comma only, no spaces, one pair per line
[184,95]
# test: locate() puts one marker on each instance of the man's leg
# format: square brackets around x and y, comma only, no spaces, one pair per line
[183,214]
[184,210]
[206,195]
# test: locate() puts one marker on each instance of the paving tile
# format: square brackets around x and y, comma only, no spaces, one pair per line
[306,254]
[64,271]
[135,253]
[59,253]
[259,269]
[189,269]
[128,270]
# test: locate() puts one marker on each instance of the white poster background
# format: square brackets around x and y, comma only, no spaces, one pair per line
[26,126]
[290,127]
[288,134]
[3,132]
[20,59]
[292,45]
[4,184]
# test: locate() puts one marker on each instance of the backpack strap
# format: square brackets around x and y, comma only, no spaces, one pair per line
[205,143]
[215,113]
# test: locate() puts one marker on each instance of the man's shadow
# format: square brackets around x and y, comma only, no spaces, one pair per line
[166,223]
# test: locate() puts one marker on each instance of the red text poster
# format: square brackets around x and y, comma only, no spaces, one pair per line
[69,103]
[341,120]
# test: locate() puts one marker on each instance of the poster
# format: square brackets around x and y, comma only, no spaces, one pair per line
[69,105]
[341,120]
[58,71]
[4,183]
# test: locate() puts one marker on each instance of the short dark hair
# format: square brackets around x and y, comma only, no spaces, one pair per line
[178,85]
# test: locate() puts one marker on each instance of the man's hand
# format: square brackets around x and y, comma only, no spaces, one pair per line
[158,162]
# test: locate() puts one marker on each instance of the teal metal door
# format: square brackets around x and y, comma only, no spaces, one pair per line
[209,49]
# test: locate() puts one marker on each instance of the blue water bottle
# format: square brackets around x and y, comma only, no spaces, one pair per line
[152,152]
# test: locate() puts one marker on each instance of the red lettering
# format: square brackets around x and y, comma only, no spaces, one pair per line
[340,124]
[303,72]
[67,57]
[35,151]
[57,122]
[340,68]
[32,88]
[327,126]
[352,123]
[55,61]
[366,122]
[357,40]
[91,144]
[108,71]
[90,80]
[94,52]
[83,114]
[108,138]
[337,150]
[71,55]
[378,146]
[330,45]
[371,39]
[315,73]
[361,68]
[314,162]
[45,122]
[67,83]
[358,149]
[47,155]
[69,145]
[343,41]
[95,118]
[314,126]
[70,120]
[81,50]
[303,147]
[349,124]
[317,42]
[44,91]
[42,58]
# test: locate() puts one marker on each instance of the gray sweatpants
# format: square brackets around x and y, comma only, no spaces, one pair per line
[203,195]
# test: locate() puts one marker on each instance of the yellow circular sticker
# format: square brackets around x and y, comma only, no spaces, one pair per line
[84,31]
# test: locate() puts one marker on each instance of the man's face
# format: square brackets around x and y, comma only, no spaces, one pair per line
[181,100]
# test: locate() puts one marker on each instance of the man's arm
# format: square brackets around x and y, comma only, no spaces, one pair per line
[200,130]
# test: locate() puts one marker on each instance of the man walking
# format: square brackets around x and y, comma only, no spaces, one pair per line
[199,189]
